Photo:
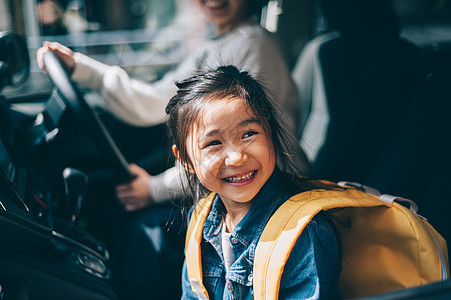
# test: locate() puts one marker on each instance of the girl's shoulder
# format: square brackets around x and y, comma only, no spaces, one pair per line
[299,184]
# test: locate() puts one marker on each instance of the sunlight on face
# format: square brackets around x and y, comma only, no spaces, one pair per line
[231,153]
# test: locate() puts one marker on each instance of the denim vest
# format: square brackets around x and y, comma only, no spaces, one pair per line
[311,272]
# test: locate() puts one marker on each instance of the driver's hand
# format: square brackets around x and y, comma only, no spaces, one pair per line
[135,194]
[65,55]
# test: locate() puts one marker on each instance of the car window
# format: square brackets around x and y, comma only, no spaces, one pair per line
[149,37]
[145,37]
[425,22]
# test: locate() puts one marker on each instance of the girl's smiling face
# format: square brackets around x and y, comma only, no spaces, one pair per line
[230,151]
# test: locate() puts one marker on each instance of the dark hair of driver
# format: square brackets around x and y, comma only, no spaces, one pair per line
[226,82]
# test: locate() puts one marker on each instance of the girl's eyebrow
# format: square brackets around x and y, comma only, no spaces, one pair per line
[211,133]
[249,121]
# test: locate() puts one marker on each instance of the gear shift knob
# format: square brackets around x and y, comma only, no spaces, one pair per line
[76,185]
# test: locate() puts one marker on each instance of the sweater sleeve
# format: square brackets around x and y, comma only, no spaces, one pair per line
[166,186]
[134,101]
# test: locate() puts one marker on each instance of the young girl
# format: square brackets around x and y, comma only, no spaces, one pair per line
[226,135]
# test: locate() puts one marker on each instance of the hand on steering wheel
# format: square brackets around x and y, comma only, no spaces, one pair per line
[73,99]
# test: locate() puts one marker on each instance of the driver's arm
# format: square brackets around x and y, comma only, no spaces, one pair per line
[146,190]
[134,101]
[167,185]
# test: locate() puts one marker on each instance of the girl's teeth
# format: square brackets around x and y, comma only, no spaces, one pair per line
[240,178]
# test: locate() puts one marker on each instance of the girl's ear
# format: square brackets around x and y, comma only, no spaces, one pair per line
[175,151]
[185,165]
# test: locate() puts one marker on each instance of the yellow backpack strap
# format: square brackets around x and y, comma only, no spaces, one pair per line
[286,225]
[192,244]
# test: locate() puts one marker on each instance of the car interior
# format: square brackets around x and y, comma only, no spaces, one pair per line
[367,119]
[375,111]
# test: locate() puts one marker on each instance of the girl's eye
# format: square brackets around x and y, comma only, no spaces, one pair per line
[249,134]
[212,143]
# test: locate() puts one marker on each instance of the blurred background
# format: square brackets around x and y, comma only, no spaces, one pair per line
[148,37]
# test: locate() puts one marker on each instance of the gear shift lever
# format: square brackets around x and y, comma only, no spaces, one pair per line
[76,185]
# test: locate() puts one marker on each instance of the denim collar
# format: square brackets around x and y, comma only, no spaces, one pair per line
[247,233]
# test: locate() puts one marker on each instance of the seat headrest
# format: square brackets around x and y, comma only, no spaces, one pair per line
[362,18]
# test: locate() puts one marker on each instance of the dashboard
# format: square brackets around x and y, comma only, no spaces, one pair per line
[22,200]
[38,253]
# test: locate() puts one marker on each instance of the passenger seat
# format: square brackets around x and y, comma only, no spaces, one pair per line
[356,85]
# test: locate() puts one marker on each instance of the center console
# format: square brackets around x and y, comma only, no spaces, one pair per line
[43,256]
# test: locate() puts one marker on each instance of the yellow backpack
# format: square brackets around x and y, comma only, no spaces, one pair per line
[385,246]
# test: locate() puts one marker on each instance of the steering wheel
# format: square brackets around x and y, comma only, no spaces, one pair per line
[86,117]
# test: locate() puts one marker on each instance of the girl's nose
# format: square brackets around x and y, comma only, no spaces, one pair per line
[235,158]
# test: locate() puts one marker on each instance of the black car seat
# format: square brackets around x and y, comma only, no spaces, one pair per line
[416,164]
[356,85]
